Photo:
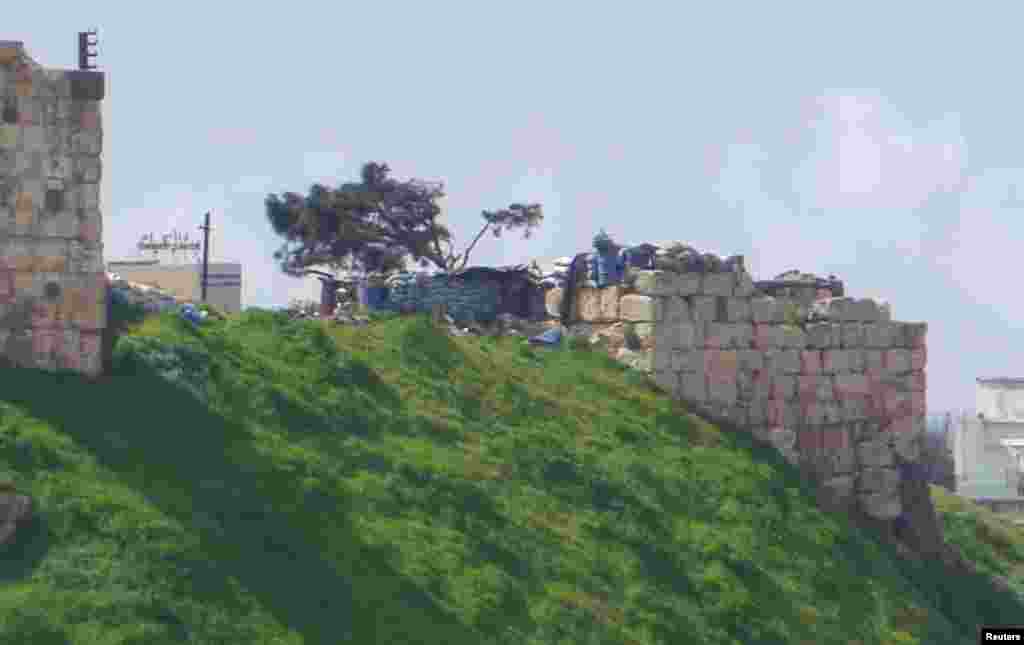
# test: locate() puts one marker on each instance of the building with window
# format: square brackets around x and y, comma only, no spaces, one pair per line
[988,446]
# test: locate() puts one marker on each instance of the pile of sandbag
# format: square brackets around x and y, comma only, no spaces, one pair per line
[680,257]
[552,275]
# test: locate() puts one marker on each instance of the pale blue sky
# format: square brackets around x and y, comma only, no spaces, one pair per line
[832,140]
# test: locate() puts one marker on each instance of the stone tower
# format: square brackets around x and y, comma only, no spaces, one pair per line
[52,279]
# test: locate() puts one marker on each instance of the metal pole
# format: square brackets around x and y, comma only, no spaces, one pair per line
[206,252]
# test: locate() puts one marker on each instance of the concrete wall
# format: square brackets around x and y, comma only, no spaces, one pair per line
[184,280]
[832,383]
[52,282]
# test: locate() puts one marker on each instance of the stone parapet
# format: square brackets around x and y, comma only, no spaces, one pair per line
[831,381]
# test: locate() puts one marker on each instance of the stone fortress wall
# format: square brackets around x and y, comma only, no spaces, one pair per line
[831,381]
[52,281]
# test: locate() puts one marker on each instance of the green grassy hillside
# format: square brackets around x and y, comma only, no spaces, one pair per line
[264,481]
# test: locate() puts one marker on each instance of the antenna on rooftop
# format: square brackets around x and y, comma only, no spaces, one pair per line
[84,53]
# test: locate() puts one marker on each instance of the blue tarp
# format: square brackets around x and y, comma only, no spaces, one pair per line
[552,336]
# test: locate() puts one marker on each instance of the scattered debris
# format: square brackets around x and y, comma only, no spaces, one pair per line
[15,511]
[152,298]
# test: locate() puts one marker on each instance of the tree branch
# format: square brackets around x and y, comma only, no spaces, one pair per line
[465,254]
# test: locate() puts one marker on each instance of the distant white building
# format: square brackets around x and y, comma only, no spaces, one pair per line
[184,280]
[988,447]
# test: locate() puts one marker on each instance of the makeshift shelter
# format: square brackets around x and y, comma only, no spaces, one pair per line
[518,290]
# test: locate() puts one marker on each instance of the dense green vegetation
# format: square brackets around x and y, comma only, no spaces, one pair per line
[258,480]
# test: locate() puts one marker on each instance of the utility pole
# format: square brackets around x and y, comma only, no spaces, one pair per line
[205,228]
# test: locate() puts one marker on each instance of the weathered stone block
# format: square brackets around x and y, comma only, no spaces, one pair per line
[89,119]
[884,311]
[899,404]
[783,413]
[738,310]
[784,440]
[719,284]
[693,386]
[86,85]
[703,308]
[744,285]
[918,405]
[814,388]
[745,384]
[918,358]
[878,480]
[820,413]
[8,136]
[882,335]
[662,358]
[782,387]
[835,361]
[10,50]
[656,283]
[793,337]
[766,309]
[637,308]
[835,462]
[723,392]
[864,310]
[24,283]
[876,453]
[728,335]
[596,305]
[664,338]
[721,365]
[874,360]
[916,382]
[897,361]
[757,412]
[835,438]
[88,169]
[677,311]
[853,410]
[810,362]
[914,335]
[689,361]
[837,493]
[824,335]
[87,142]
[881,506]
[750,359]
[841,309]
[690,335]
[768,336]
[783,361]
[688,284]
[853,335]
[905,444]
[809,441]
[850,386]
[666,380]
